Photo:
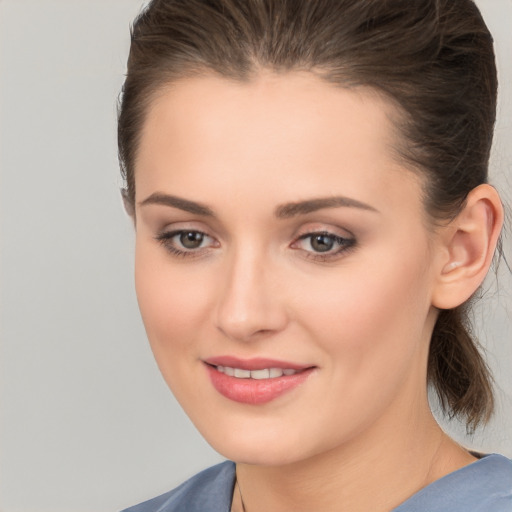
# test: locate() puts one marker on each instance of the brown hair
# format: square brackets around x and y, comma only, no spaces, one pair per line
[433,58]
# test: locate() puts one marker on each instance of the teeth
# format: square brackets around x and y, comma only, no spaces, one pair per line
[275,372]
[242,374]
[267,373]
[260,374]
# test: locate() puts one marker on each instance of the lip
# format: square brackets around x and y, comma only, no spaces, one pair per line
[252,391]
[256,363]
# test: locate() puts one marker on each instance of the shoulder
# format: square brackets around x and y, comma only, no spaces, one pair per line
[483,486]
[210,490]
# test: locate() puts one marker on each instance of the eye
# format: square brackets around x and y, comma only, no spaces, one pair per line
[191,239]
[323,245]
[186,242]
[321,242]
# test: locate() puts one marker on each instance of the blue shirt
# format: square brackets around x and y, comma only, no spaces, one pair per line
[483,486]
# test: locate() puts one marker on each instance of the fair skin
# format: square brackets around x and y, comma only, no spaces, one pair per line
[347,290]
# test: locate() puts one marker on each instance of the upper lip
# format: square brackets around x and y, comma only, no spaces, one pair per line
[256,363]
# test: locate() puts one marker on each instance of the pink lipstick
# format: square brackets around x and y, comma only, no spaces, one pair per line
[255,381]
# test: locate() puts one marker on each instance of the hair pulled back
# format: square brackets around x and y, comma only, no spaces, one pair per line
[433,58]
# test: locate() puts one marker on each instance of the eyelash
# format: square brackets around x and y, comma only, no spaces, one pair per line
[345,244]
[166,239]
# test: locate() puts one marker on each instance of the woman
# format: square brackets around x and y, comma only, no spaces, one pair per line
[308,182]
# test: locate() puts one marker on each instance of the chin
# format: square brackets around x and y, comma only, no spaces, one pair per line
[258,455]
[263,446]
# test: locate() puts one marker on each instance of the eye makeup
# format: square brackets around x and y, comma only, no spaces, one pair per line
[324,245]
[315,245]
[186,243]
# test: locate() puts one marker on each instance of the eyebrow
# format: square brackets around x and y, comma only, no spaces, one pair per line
[284,211]
[288,210]
[178,202]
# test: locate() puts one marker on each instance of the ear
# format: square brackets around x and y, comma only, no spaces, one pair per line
[468,244]
[128,204]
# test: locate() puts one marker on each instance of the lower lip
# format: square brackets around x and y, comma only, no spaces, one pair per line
[254,391]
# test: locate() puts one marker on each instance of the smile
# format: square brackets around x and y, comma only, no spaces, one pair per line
[257,381]
[265,373]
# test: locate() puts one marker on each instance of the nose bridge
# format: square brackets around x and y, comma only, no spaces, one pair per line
[247,304]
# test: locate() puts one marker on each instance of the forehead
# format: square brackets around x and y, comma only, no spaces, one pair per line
[292,104]
[293,132]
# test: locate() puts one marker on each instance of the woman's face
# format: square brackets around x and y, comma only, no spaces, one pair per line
[284,268]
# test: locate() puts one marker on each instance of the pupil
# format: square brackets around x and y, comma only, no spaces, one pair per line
[191,240]
[322,243]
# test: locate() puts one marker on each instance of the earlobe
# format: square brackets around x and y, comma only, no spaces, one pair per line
[469,242]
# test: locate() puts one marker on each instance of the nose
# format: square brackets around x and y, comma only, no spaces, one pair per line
[250,305]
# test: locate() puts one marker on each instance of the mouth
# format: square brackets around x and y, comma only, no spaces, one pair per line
[255,381]
[265,373]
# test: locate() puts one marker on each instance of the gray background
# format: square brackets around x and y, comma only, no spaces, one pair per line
[87,423]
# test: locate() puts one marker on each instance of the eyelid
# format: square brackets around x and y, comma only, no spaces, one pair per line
[327,228]
[165,238]
[345,244]
[342,241]
[338,238]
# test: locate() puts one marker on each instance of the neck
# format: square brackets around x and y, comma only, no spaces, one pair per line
[376,471]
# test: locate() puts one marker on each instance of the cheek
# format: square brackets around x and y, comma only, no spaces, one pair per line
[174,306]
[372,314]
[372,328]
[171,304]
